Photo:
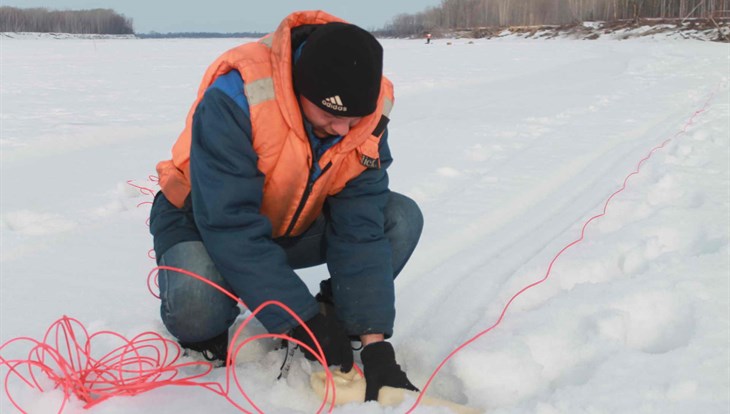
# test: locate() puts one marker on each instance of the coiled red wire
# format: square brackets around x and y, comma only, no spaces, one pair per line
[66,358]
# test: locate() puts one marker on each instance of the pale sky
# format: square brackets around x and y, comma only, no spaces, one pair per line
[233,15]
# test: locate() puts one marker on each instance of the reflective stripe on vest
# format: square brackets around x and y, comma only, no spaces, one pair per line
[259,91]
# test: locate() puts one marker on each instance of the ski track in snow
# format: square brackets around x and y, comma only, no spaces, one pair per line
[509,146]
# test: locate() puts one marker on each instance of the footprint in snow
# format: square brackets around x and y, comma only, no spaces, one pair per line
[678,238]
[655,321]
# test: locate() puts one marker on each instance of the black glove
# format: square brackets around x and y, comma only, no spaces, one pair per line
[331,337]
[378,361]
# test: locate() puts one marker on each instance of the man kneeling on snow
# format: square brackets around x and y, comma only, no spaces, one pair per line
[281,166]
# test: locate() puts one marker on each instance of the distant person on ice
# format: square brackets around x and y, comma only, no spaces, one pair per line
[281,166]
[428,38]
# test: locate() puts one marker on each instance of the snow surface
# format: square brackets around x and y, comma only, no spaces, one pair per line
[508,145]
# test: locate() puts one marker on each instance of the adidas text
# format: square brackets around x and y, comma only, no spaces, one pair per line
[334,103]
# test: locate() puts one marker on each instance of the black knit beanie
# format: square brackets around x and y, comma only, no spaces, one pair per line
[339,70]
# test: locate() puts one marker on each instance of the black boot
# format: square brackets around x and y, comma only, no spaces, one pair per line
[214,350]
[325,293]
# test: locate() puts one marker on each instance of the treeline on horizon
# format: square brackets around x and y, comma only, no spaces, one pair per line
[449,15]
[42,20]
[469,14]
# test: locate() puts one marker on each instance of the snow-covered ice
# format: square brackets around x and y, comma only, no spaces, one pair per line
[508,145]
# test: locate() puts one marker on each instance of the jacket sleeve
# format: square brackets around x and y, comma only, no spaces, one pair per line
[359,254]
[226,192]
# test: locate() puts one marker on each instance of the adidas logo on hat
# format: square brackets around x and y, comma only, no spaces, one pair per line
[335,103]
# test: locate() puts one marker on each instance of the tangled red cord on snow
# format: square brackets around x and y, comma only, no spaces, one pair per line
[68,359]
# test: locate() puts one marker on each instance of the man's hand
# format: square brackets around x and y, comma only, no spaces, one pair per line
[378,361]
[331,337]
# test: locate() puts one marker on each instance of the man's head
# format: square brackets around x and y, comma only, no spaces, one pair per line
[325,124]
[339,71]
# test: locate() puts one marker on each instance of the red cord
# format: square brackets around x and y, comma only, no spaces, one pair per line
[144,190]
[65,357]
[144,363]
[555,258]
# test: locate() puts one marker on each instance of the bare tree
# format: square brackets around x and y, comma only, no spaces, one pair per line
[96,21]
[453,14]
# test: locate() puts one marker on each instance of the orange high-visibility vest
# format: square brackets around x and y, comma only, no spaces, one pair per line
[278,134]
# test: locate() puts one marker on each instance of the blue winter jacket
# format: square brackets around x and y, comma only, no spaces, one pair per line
[223,211]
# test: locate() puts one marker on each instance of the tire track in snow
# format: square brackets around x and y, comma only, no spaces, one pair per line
[520,231]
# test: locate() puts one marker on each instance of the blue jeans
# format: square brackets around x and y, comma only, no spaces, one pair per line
[193,311]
